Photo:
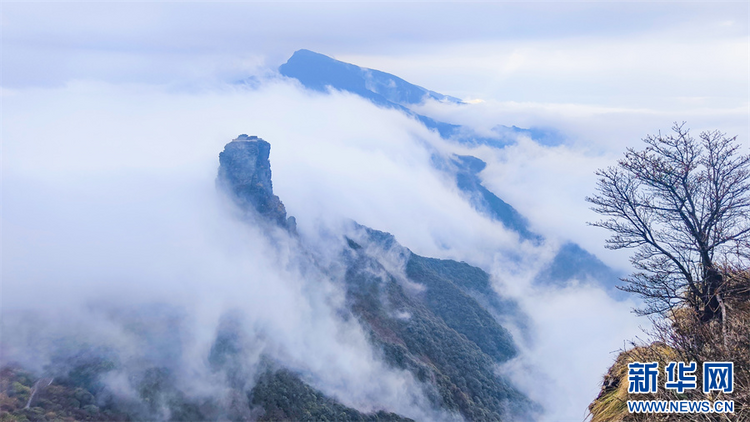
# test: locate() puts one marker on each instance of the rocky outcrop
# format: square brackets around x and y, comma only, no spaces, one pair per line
[245,171]
[437,319]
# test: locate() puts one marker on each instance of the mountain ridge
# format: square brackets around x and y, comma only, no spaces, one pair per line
[318,72]
[428,323]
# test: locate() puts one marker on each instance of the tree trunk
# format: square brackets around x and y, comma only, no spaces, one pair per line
[711,306]
[723,322]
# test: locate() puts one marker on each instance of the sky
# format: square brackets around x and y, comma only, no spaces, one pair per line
[617,54]
[115,113]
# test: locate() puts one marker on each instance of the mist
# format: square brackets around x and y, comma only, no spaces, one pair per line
[116,241]
[122,218]
[111,206]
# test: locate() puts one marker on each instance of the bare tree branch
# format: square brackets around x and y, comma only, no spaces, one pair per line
[684,206]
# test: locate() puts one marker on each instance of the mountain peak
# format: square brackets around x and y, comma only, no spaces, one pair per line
[317,71]
[305,52]
[245,171]
[244,137]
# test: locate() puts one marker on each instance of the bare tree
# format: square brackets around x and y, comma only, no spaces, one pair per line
[684,205]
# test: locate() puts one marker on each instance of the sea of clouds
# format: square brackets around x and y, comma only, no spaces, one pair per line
[111,213]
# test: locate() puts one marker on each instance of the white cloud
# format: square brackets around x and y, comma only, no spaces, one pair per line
[548,184]
[110,203]
[577,335]
[109,193]
[108,179]
[649,70]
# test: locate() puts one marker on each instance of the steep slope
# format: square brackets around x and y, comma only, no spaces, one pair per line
[466,169]
[278,395]
[285,397]
[426,316]
[429,324]
[437,319]
[245,170]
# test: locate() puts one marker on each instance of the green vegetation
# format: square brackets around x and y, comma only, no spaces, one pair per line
[450,285]
[284,397]
[279,395]
[442,335]
[51,402]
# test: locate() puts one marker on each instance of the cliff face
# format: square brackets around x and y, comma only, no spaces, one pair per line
[246,172]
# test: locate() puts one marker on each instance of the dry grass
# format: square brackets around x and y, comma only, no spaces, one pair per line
[685,339]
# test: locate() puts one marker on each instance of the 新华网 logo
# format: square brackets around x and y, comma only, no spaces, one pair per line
[643,378]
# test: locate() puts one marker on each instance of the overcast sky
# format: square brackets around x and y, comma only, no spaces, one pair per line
[604,53]
[675,59]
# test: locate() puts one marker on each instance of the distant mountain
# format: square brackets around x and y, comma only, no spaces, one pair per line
[573,263]
[319,72]
[543,136]
[466,169]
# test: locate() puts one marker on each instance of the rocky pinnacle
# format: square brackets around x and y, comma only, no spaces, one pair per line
[245,171]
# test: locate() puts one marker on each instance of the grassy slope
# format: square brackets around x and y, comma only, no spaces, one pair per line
[685,339]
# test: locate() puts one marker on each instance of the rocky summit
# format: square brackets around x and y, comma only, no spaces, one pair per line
[245,171]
